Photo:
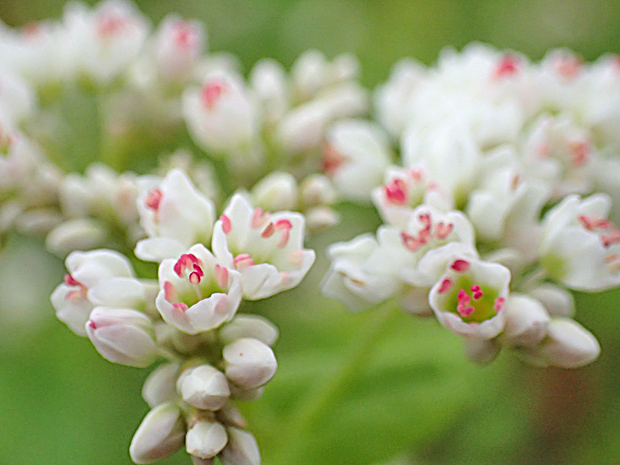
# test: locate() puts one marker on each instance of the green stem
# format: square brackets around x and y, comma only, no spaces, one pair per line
[328,396]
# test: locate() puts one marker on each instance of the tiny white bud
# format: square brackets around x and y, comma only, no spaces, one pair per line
[204,387]
[317,189]
[122,336]
[253,326]
[481,351]
[79,234]
[205,439]
[249,363]
[321,218]
[159,386]
[160,435]
[526,321]
[230,415]
[568,344]
[276,191]
[558,301]
[241,449]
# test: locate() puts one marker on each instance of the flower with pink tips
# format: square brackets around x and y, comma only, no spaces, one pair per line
[267,249]
[470,297]
[196,292]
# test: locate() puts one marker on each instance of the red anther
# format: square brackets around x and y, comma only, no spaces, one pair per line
[587,222]
[180,306]
[92,324]
[170,293]
[185,262]
[226,224]
[475,288]
[283,224]
[460,266]
[499,303]
[478,295]
[259,218]
[198,270]
[445,286]
[153,199]
[268,231]
[443,230]
[465,311]
[611,238]
[416,174]
[332,160]
[581,153]
[211,92]
[463,297]
[284,238]
[396,192]
[71,281]
[412,243]
[508,66]
[221,276]
[184,35]
[194,278]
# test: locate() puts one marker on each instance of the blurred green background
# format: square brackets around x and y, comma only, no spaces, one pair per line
[418,401]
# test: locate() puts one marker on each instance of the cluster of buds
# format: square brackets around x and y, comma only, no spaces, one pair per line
[502,203]
[189,315]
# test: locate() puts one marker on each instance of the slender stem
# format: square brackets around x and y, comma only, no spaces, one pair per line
[328,395]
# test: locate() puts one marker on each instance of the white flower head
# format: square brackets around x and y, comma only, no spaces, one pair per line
[356,156]
[196,292]
[267,249]
[99,277]
[405,189]
[580,247]
[174,215]
[177,47]
[470,298]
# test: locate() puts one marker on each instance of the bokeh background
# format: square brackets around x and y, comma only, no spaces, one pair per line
[418,401]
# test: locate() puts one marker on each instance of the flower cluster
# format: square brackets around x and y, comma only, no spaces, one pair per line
[497,180]
[189,316]
[504,200]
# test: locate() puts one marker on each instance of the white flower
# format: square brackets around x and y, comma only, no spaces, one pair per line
[76,234]
[276,191]
[356,156]
[267,249]
[177,46]
[223,118]
[196,292]
[270,83]
[161,434]
[580,246]
[405,189]
[122,336]
[470,298]
[90,275]
[357,286]
[160,386]
[103,42]
[174,215]
[241,449]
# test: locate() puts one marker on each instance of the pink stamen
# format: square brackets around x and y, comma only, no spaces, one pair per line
[111,24]
[581,153]
[153,199]
[194,278]
[611,238]
[416,174]
[170,293]
[259,218]
[508,66]
[396,192]
[445,286]
[412,243]
[268,231]
[332,160]
[226,224]
[185,36]
[499,303]
[242,261]
[181,306]
[296,258]
[460,266]
[443,230]
[221,276]
[185,262]
[465,311]
[569,66]
[71,281]
[211,93]
[92,324]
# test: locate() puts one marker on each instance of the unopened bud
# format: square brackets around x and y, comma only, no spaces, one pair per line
[253,326]
[557,301]
[79,234]
[122,336]
[205,439]
[161,434]
[276,191]
[482,351]
[249,363]
[316,190]
[204,387]
[568,344]
[241,449]
[230,415]
[321,218]
[160,385]
[526,321]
